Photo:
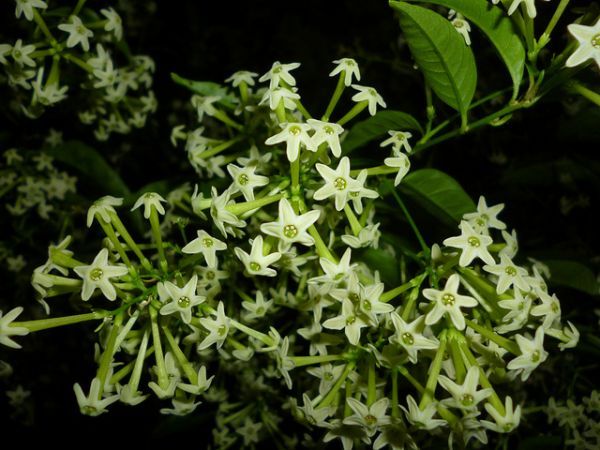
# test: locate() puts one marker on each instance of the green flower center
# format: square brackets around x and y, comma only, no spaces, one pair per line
[89,410]
[535,356]
[354,194]
[210,275]
[458,23]
[290,231]
[371,420]
[510,270]
[222,330]
[354,297]
[207,242]
[243,179]
[183,302]
[254,266]
[340,183]
[508,426]
[295,130]
[80,30]
[96,274]
[328,376]
[260,310]
[408,339]
[328,130]
[350,320]
[474,241]
[372,92]
[596,41]
[467,400]
[277,69]
[448,299]
[555,308]
[367,305]
[17,54]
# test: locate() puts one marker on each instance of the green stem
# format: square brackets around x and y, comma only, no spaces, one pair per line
[339,89]
[300,361]
[110,233]
[114,218]
[330,396]
[506,344]
[412,223]
[295,171]
[393,293]
[109,351]
[354,223]
[410,303]
[163,377]
[434,372]
[395,409]
[241,208]
[39,20]
[143,353]
[265,339]
[44,324]
[545,37]
[74,59]
[371,383]
[129,368]
[219,148]
[157,236]
[356,110]
[78,7]
[592,96]
[189,371]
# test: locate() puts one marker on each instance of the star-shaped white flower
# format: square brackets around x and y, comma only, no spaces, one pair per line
[204,105]
[398,140]
[512,244]
[335,273]
[369,418]
[448,301]
[503,423]
[549,309]
[532,354]
[280,72]
[410,336]
[289,227]
[256,263]
[207,245]
[78,33]
[569,336]
[347,67]
[217,328]
[91,405]
[338,183]
[465,396]
[20,53]
[349,321]
[103,207]
[26,7]
[150,200]
[113,22]
[242,76]
[97,275]
[462,26]
[201,386]
[473,245]
[182,299]
[358,191]
[422,418]
[518,311]
[589,44]
[245,180]
[509,274]
[401,162]
[280,94]
[258,308]
[485,217]
[220,214]
[326,132]
[294,134]
[370,95]
[6,330]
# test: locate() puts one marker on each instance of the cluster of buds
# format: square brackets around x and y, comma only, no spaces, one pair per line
[69,54]
[255,310]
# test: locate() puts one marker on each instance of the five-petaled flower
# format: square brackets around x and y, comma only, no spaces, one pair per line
[98,274]
[448,301]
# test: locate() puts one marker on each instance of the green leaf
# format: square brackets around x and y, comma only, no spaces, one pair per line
[572,274]
[499,29]
[378,126]
[206,88]
[441,53]
[88,162]
[382,261]
[438,193]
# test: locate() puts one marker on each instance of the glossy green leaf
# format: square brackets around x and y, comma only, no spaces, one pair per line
[438,193]
[206,88]
[377,127]
[94,168]
[572,274]
[441,53]
[499,29]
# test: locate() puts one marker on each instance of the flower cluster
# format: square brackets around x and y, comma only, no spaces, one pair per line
[580,421]
[74,57]
[267,286]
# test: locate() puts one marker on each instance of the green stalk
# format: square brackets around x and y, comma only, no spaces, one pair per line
[354,223]
[157,236]
[506,344]
[163,377]
[189,371]
[434,373]
[45,324]
[592,96]
[116,221]
[244,207]
[371,383]
[411,222]
[335,97]
[108,354]
[110,233]
[330,397]
[300,361]
[393,293]
[356,110]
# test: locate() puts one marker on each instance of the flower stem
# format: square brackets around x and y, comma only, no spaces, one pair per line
[489,334]
[189,371]
[300,361]
[163,378]
[411,222]
[265,339]
[354,223]
[109,351]
[335,97]
[545,37]
[241,208]
[434,372]
[134,380]
[371,383]
[157,236]
[129,240]
[330,397]
[39,20]
[592,96]
[356,110]
[393,293]
[44,324]
[110,233]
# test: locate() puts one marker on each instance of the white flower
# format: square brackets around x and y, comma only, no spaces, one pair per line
[78,33]
[370,95]
[204,105]
[327,375]
[532,354]
[529,5]
[485,217]
[398,140]
[201,386]
[245,180]
[348,320]
[280,72]
[326,132]
[242,76]
[47,94]
[293,134]
[512,244]
[207,245]
[369,303]
[335,273]
[358,192]
[182,299]
[503,423]
[25,7]
[508,275]
[113,22]
[518,311]
[401,162]
[258,308]
[549,309]
[4,50]
[289,227]
[472,244]
[422,419]
[150,200]
[6,330]
[249,431]
[463,27]
[217,328]
[181,407]
[276,95]
[367,237]
[348,67]
[127,396]
[92,405]
[314,416]
[97,275]
[20,53]
[220,214]
[410,338]
[338,183]
[589,44]
[256,263]
[568,335]
[466,395]
[369,418]
[448,301]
